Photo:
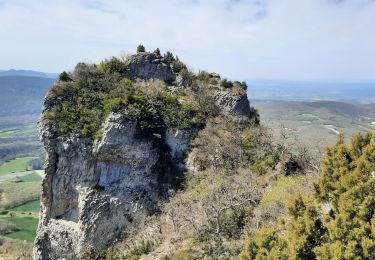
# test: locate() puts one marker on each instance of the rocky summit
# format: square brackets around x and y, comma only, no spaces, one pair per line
[117,137]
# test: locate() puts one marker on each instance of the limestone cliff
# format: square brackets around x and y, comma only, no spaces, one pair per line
[97,186]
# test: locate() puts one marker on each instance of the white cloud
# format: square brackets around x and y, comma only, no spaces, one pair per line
[294,39]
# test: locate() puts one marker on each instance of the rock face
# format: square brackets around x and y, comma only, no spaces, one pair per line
[91,193]
[148,66]
[94,190]
[231,104]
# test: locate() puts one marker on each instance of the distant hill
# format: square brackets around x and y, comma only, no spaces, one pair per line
[284,90]
[22,95]
[27,73]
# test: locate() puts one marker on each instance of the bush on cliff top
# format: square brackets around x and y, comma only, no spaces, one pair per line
[81,104]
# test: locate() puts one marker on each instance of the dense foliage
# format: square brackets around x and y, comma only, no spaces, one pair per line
[84,98]
[141,48]
[339,223]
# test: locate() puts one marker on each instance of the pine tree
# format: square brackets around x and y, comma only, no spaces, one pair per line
[346,185]
[141,48]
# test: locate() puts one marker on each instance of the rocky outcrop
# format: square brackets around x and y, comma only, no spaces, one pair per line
[231,104]
[146,66]
[95,190]
[92,192]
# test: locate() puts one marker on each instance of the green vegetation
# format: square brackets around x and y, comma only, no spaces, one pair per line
[226,83]
[141,48]
[16,165]
[64,76]
[143,248]
[96,91]
[26,227]
[157,51]
[6,227]
[17,193]
[283,189]
[338,223]
[254,115]
[113,65]
[32,177]
[17,131]
[169,57]
[32,206]
[311,117]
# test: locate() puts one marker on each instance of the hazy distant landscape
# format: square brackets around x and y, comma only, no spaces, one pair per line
[261,91]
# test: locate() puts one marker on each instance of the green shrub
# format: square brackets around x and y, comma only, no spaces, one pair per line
[112,65]
[254,116]
[226,83]
[244,85]
[346,229]
[168,57]
[7,227]
[203,76]
[64,76]
[143,248]
[98,188]
[157,51]
[178,65]
[141,48]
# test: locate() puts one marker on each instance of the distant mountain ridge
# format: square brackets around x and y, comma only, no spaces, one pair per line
[23,95]
[28,73]
[262,91]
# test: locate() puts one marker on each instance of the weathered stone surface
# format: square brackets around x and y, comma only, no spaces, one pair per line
[148,66]
[91,193]
[231,104]
[179,141]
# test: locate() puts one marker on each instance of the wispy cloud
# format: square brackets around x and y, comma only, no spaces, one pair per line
[310,39]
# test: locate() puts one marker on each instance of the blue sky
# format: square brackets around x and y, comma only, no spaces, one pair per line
[270,39]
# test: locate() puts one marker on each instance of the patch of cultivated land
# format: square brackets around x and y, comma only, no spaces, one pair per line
[17,193]
[19,206]
[16,165]
[15,249]
[18,131]
[26,226]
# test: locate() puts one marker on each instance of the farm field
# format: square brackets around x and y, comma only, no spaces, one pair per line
[16,165]
[19,206]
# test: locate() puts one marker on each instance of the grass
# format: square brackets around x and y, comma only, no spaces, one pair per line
[15,249]
[18,131]
[32,206]
[33,177]
[282,189]
[26,225]
[16,165]
[18,193]
[310,117]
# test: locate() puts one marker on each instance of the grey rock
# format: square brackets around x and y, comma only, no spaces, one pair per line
[74,215]
[148,66]
[179,142]
[231,104]
[93,192]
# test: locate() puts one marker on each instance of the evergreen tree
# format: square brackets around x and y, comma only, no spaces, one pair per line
[141,48]
[157,51]
[168,57]
[346,186]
